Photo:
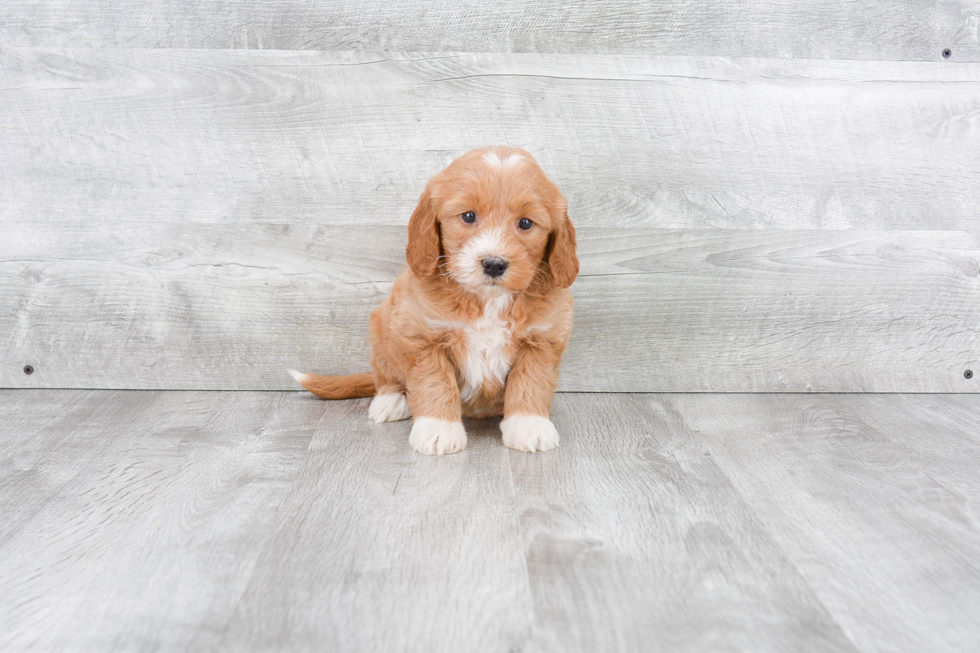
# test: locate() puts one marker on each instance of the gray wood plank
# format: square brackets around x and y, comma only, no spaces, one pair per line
[257,521]
[378,548]
[273,521]
[347,138]
[875,503]
[916,29]
[938,432]
[163,503]
[48,438]
[636,541]
[216,306]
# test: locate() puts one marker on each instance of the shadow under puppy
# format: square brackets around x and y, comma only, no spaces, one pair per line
[476,324]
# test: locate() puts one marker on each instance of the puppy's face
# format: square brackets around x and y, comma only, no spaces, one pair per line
[495,219]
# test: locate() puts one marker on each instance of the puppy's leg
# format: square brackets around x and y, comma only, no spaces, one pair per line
[434,398]
[389,406]
[389,403]
[527,401]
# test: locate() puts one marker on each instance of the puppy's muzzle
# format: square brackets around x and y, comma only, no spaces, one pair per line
[494,266]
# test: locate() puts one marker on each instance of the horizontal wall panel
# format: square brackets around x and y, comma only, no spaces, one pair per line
[338,138]
[221,306]
[913,29]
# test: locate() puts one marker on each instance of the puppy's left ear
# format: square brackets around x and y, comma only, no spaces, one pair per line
[422,252]
[562,259]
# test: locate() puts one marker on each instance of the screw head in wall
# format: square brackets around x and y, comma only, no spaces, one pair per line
[947,53]
[968,374]
[28,369]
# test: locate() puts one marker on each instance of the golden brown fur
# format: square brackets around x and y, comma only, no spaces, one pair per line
[456,341]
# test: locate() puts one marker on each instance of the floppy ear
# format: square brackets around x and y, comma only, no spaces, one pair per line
[422,253]
[562,259]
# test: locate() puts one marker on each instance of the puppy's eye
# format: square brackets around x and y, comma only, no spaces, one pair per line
[524,224]
[469,217]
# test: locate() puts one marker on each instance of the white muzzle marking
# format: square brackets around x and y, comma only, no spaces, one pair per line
[466,266]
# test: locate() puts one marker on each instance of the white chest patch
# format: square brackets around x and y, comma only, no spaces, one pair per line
[486,342]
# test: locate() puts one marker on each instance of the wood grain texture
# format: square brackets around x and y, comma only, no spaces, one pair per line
[379,548]
[204,219]
[636,541]
[47,440]
[273,521]
[341,138]
[915,29]
[874,499]
[215,306]
[153,510]
[939,434]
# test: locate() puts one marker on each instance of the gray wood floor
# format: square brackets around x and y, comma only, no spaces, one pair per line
[208,521]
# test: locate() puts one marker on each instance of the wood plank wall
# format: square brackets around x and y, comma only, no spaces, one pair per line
[816,29]
[770,196]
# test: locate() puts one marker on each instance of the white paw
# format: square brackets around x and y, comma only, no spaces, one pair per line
[529,433]
[435,437]
[389,407]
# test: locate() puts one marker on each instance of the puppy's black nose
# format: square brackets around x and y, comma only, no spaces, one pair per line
[494,266]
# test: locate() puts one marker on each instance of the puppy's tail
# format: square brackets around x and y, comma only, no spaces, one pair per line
[337,387]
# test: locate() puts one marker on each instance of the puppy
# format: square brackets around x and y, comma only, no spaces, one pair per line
[477,323]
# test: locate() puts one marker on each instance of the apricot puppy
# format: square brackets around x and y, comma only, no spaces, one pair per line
[477,323]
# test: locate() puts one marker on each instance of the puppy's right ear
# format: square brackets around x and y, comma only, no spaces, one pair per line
[422,253]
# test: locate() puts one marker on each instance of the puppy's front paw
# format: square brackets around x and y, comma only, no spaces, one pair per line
[529,433]
[389,407]
[435,437]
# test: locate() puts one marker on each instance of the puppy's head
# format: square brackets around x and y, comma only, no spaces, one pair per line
[493,221]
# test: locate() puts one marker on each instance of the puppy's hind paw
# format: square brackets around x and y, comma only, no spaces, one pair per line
[389,407]
[529,433]
[435,437]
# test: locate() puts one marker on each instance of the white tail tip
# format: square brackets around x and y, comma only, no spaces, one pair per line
[297,376]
